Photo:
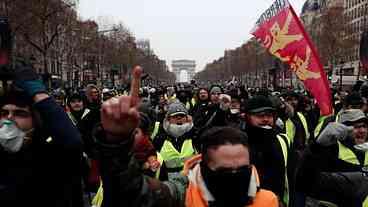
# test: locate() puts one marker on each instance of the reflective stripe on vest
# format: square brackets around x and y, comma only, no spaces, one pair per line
[326,204]
[187,106]
[160,160]
[318,128]
[155,130]
[348,155]
[290,128]
[173,158]
[86,111]
[194,102]
[365,203]
[284,143]
[71,117]
[172,98]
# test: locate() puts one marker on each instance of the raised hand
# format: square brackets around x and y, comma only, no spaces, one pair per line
[120,116]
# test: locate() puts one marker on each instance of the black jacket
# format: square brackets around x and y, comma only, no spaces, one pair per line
[319,159]
[124,182]
[267,156]
[45,173]
[209,115]
[322,175]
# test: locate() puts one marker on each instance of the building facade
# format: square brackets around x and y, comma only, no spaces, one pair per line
[347,70]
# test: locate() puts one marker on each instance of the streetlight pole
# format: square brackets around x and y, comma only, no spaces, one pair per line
[341,70]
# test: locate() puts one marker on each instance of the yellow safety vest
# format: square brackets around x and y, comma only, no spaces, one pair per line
[172,157]
[187,106]
[290,128]
[155,130]
[171,99]
[159,158]
[365,203]
[348,155]
[284,142]
[318,128]
[194,102]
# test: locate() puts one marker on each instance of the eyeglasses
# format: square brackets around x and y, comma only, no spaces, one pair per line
[16,113]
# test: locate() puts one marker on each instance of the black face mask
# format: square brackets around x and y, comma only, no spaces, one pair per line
[260,135]
[228,188]
[182,98]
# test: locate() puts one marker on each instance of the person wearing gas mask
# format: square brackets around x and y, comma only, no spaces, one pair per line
[269,150]
[176,142]
[334,166]
[40,148]
[222,176]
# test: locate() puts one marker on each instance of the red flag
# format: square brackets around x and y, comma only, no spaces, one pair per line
[281,32]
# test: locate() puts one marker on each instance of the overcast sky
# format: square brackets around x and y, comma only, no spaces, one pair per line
[192,29]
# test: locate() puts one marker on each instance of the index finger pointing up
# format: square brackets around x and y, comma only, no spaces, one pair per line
[135,85]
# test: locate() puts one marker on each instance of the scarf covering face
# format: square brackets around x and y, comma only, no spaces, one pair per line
[198,194]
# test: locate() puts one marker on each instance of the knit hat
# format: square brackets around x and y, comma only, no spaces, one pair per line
[215,89]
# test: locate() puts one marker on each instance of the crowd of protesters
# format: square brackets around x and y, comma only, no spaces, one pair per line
[190,145]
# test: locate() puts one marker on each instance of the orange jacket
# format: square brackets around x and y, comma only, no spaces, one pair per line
[197,194]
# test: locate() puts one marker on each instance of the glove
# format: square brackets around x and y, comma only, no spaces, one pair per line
[333,132]
[26,79]
[362,147]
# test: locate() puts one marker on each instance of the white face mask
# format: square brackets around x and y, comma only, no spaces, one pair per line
[266,127]
[177,130]
[234,111]
[11,137]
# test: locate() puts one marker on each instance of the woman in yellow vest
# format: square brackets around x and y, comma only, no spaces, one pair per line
[332,168]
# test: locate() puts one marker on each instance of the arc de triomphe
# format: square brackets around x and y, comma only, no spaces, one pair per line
[187,65]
